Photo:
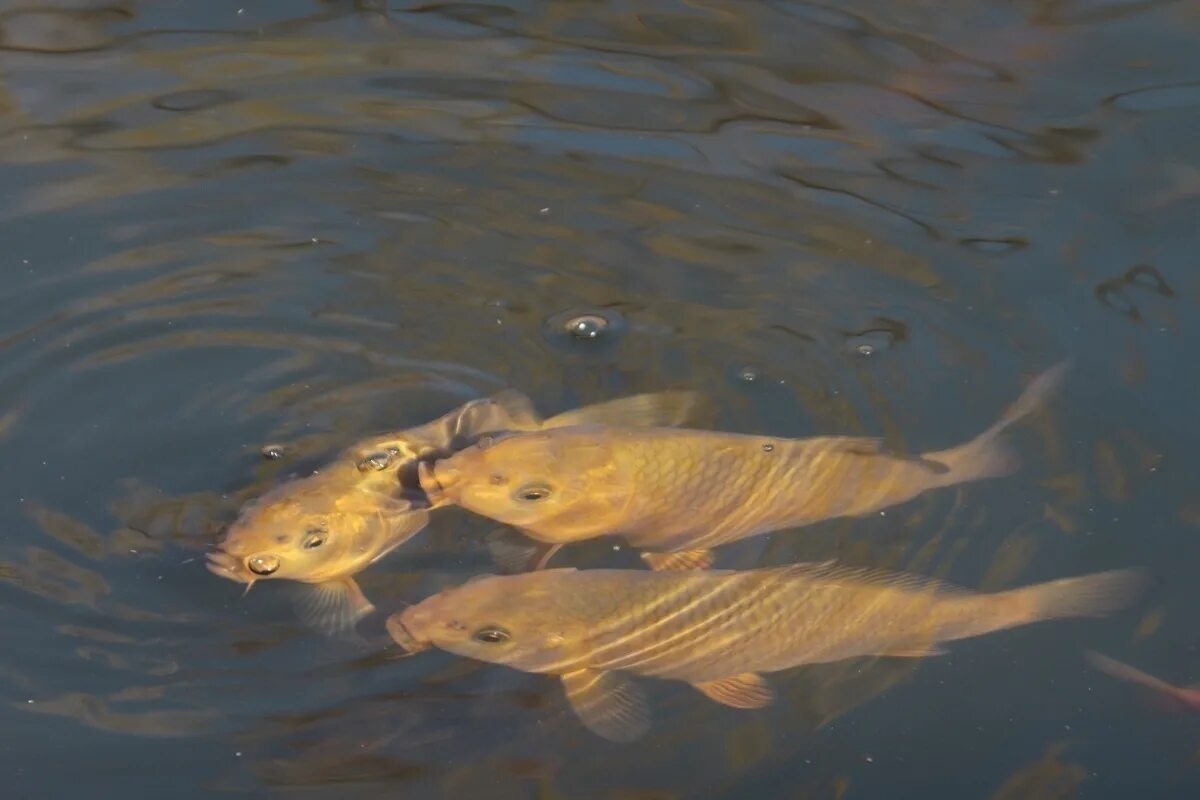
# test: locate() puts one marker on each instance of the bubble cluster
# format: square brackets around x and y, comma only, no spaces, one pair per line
[588,326]
[375,461]
[273,452]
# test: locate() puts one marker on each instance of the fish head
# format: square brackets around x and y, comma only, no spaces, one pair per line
[513,620]
[565,484]
[312,530]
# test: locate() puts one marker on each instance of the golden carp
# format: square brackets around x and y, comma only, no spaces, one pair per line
[676,493]
[325,528]
[719,629]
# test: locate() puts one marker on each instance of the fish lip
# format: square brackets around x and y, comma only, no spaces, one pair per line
[432,483]
[404,637]
[225,565]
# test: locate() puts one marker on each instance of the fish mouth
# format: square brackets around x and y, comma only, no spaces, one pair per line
[225,565]
[403,636]
[437,481]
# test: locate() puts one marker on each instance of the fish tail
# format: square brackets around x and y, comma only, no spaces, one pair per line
[988,455]
[1096,595]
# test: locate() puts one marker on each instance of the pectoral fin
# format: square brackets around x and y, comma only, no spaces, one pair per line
[683,560]
[748,690]
[656,409]
[515,553]
[333,607]
[608,704]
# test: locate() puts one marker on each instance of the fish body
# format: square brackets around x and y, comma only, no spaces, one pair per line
[719,629]
[325,528]
[682,492]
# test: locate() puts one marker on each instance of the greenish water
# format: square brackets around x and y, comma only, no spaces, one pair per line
[225,224]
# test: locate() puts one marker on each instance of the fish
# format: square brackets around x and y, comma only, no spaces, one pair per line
[677,493]
[1180,697]
[719,630]
[325,528]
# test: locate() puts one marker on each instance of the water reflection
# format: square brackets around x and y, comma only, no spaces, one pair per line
[234,225]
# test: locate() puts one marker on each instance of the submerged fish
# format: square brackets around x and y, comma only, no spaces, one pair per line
[325,528]
[719,629]
[1181,697]
[676,493]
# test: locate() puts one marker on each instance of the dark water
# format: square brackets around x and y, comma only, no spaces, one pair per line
[233,223]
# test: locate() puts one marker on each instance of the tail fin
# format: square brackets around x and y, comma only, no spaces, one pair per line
[987,455]
[1095,595]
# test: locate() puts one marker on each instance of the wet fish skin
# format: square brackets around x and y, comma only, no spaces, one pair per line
[679,491]
[323,529]
[719,629]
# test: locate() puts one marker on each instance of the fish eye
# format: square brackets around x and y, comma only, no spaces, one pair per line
[314,540]
[533,492]
[491,634]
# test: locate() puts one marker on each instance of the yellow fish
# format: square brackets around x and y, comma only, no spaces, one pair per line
[325,528]
[676,493]
[719,629]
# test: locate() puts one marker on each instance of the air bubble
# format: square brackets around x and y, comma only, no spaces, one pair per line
[881,336]
[588,326]
[375,462]
[594,331]
[273,452]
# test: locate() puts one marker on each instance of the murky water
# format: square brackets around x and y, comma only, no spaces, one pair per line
[229,224]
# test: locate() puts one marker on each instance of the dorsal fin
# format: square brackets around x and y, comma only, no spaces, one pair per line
[651,410]
[505,410]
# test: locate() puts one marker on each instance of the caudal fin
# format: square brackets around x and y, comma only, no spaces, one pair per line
[1096,595]
[988,455]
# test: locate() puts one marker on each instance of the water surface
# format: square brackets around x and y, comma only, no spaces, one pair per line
[227,224]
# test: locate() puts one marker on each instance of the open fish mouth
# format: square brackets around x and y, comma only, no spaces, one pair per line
[403,636]
[226,566]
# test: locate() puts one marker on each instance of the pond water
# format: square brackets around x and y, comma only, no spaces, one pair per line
[234,224]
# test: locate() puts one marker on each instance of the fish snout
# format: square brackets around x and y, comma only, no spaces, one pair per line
[437,480]
[402,635]
[225,565]
[263,564]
